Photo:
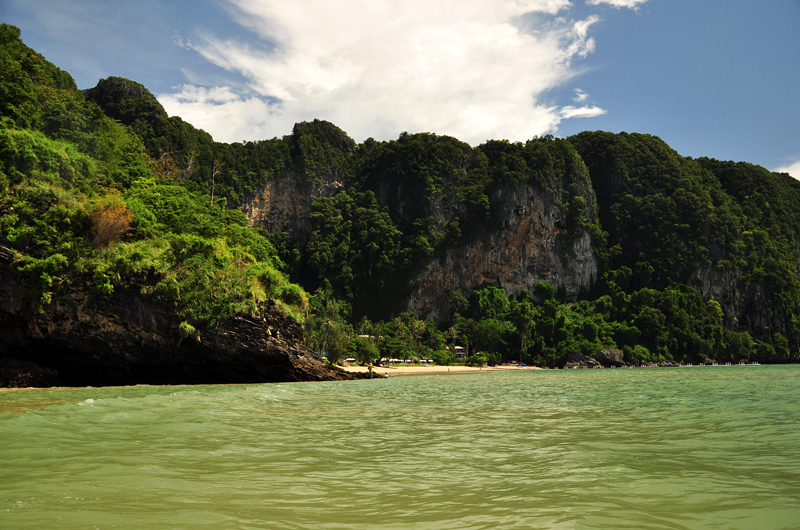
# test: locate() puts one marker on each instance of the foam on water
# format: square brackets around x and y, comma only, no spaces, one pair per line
[657,448]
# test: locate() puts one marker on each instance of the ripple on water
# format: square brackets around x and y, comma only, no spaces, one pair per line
[585,449]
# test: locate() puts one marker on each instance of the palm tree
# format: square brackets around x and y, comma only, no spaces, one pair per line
[327,324]
[452,333]
[522,316]
[378,328]
[416,330]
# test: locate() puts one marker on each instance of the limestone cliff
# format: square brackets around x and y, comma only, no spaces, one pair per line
[534,228]
[284,203]
[321,154]
[727,229]
[526,247]
[743,304]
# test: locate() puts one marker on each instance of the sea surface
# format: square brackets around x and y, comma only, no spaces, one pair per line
[655,448]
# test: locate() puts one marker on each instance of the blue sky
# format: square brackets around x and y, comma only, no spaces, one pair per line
[715,78]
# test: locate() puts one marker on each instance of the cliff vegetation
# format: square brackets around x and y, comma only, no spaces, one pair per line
[546,251]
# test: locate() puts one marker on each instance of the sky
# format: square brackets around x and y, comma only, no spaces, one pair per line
[716,78]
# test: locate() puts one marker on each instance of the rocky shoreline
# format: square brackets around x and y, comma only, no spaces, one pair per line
[613,358]
[126,338]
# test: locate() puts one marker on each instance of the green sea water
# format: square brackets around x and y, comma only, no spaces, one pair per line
[699,448]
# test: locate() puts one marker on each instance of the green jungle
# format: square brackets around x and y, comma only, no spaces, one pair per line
[101,185]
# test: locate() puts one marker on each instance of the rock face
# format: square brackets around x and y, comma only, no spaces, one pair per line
[743,305]
[578,360]
[130,103]
[128,338]
[526,248]
[610,357]
[20,374]
[284,203]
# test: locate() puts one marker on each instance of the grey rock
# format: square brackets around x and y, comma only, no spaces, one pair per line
[579,360]
[610,357]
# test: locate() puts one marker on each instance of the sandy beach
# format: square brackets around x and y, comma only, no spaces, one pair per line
[426,370]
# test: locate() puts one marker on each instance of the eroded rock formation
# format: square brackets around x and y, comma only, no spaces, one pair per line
[284,203]
[526,248]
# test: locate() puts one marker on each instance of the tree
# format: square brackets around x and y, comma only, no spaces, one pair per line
[215,170]
[417,326]
[452,333]
[443,357]
[476,360]
[363,349]
[328,324]
[491,335]
[326,330]
[521,315]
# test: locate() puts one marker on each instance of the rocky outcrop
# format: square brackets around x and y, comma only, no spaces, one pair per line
[743,304]
[578,360]
[284,203]
[604,358]
[321,152]
[129,338]
[526,248]
[21,374]
[130,103]
[610,357]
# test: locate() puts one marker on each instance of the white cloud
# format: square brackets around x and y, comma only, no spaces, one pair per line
[581,112]
[377,68]
[226,115]
[791,169]
[580,96]
[631,4]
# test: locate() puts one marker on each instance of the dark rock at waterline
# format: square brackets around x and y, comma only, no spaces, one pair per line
[610,357]
[21,374]
[128,338]
[579,360]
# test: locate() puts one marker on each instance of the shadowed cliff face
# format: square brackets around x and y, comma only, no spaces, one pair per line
[726,229]
[743,304]
[529,229]
[527,247]
[321,154]
[284,203]
[129,338]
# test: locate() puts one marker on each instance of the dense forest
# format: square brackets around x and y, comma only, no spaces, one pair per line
[102,185]
[79,196]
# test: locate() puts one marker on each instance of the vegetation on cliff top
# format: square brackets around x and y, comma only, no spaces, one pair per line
[81,199]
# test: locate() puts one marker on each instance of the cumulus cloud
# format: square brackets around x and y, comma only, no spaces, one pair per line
[228,116]
[631,4]
[474,70]
[791,169]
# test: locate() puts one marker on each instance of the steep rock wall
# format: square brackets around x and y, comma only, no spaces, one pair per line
[525,248]
[321,155]
[744,306]
[284,203]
